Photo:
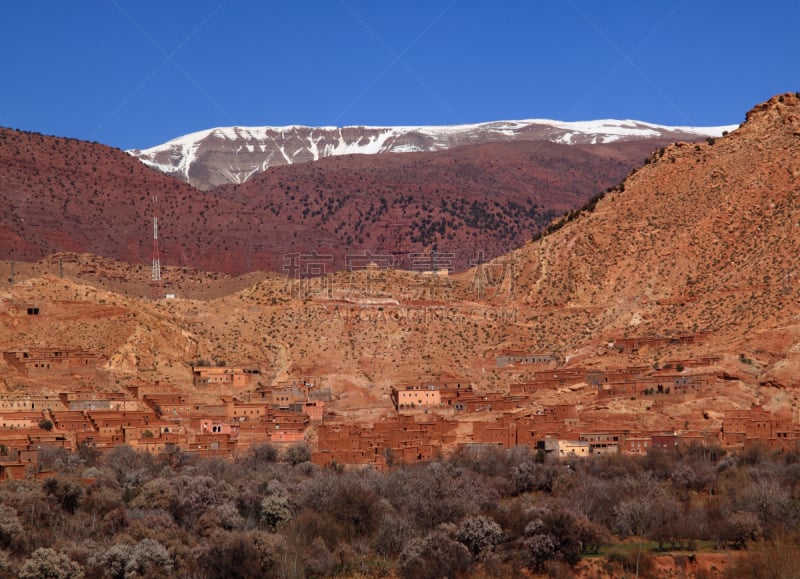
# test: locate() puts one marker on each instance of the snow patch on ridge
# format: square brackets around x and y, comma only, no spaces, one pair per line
[258,148]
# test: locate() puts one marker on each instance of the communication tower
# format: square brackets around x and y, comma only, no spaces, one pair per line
[156,286]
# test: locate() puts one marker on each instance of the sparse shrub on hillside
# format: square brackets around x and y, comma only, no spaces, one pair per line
[393,532]
[235,555]
[434,556]
[539,547]
[741,527]
[46,563]
[6,566]
[274,508]
[297,453]
[479,534]
[11,529]
[501,508]
[66,492]
[144,559]
[260,455]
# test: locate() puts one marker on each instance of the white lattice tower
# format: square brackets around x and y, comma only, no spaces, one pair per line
[156,285]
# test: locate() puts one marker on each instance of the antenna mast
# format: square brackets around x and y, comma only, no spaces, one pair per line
[156,286]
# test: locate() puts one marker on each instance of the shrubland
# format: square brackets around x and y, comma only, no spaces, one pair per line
[482,511]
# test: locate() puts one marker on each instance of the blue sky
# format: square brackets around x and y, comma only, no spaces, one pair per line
[137,73]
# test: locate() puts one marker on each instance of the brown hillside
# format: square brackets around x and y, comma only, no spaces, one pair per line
[704,238]
[465,202]
[701,242]
[66,195]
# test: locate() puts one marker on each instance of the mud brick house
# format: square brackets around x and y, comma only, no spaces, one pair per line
[50,361]
[315,410]
[339,437]
[405,432]
[502,432]
[399,439]
[213,424]
[631,389]
[155,446]
[451,395]
[351,458]
[688,363]
[277,426]
[282,395]
[170,405]
[630,374]
[112,423]
[248,411]
[414,452]
[455,398]
[506,359]
[26,308]
[756,425]
[166,431]
[490,401]
[666,441]
[97,440]
[634,345]
[540,426]
[416,397]
[287,426]
[636,445]
[532,387]
[13,471]
[30,402]
[603,442]
[283,398]
[551,380]
[52,440]
[661,383]
[687,383]
[71,421]
[548,445]
[15,441]
[23,419]
[569,448]
[212,444]
[561,412]
[560,376]
[97,401]
[300,398]
[317,394]
[222,375]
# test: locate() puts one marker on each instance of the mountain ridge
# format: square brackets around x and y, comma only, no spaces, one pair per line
[224,155]
[61,194]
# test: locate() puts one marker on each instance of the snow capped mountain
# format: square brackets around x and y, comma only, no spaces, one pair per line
[223,155]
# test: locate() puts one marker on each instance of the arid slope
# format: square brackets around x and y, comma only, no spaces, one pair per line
[701,241]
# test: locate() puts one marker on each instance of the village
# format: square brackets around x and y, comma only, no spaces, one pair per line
[228,410]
